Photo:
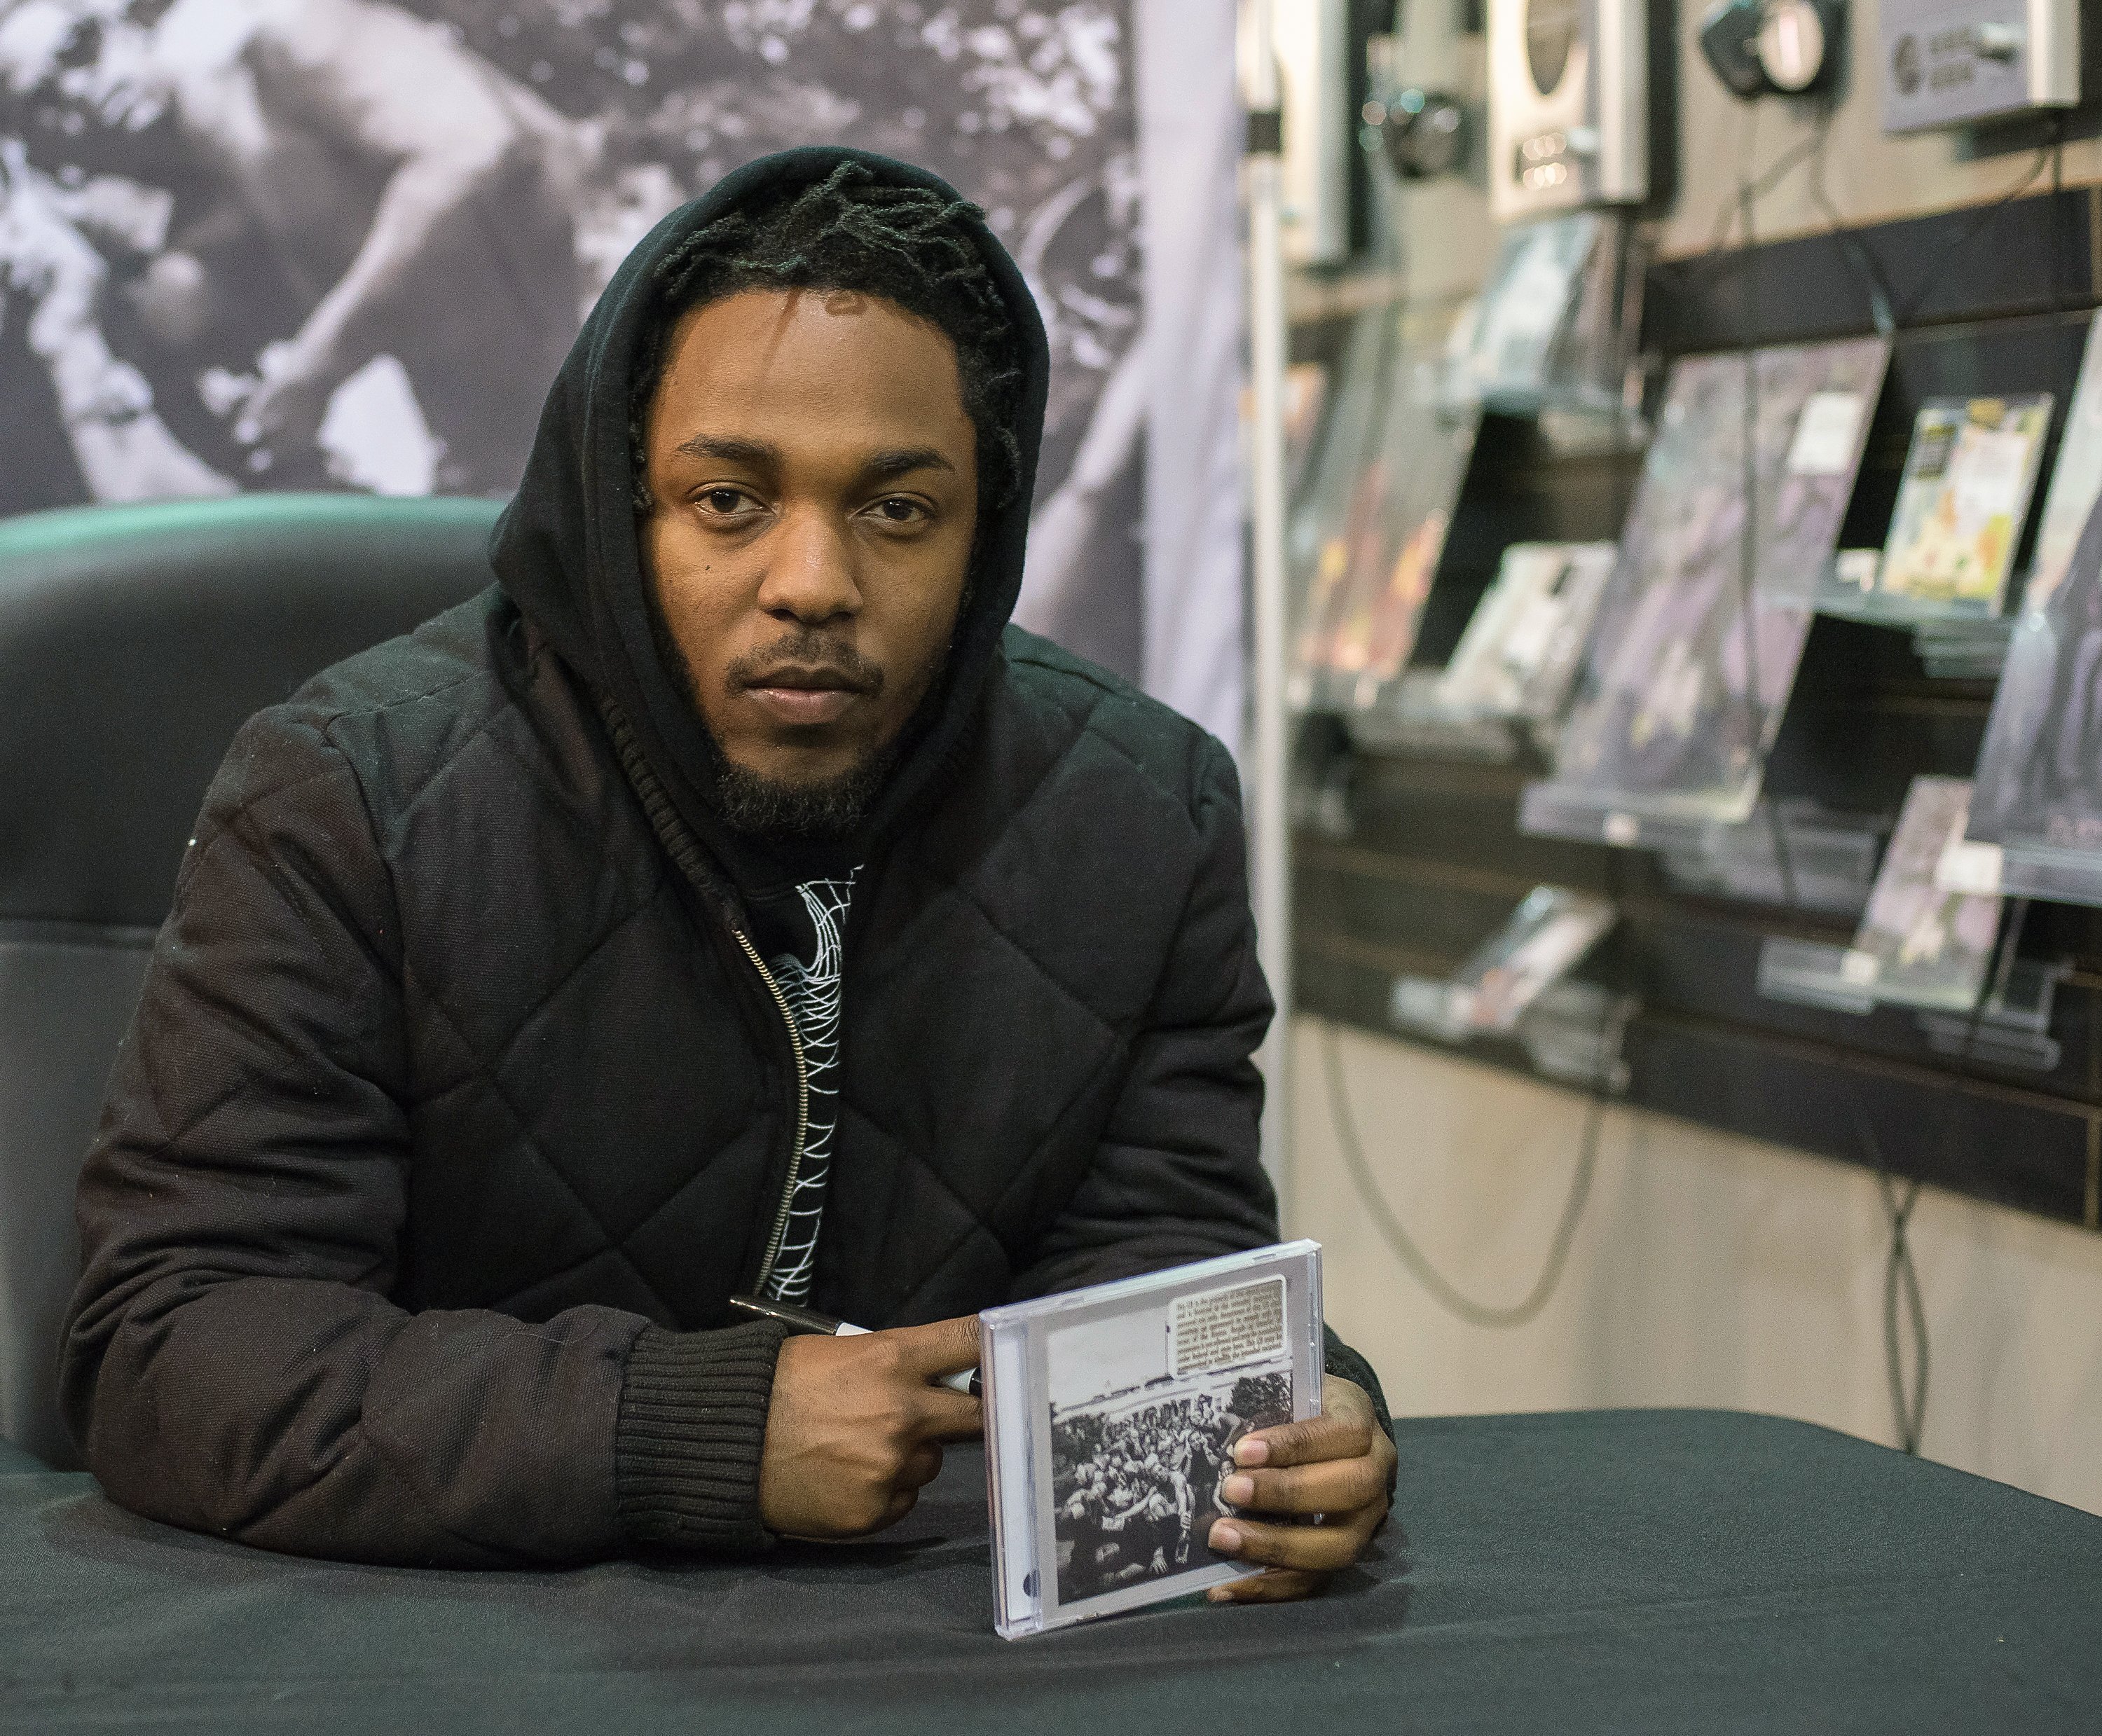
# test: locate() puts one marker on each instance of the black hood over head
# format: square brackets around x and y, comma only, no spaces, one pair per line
[567,549]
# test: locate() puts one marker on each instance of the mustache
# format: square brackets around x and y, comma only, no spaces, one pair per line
[807,659]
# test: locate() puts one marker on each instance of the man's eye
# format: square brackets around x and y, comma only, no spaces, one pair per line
[724,501]
[897,510]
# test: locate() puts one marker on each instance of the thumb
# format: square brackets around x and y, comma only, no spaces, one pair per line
[944,1347]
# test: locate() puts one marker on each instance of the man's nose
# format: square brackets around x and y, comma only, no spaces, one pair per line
[810,574]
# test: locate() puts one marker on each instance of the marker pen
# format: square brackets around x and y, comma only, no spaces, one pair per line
[965,1380]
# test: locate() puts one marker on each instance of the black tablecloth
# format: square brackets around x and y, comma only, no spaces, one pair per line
[1611,1571]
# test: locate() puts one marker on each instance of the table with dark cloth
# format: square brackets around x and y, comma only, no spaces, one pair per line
[1621,1570]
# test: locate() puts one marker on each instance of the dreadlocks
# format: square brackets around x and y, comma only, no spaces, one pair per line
[908,245]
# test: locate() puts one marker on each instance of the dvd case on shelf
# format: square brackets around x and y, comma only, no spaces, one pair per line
[1368,537]
[1919,944]
[2076,478]
[2038,798]
[1679,696]
[1547,937]
[1504,347]
[1111,1414]
[1519,651]
[1962,503]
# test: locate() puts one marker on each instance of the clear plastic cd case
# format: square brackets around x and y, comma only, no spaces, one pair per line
[1520,650]
[1922,944]
[1681,688]
[1961,504]
[1367,538]
[1110,1417]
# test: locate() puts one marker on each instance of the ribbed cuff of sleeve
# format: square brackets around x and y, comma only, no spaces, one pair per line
[687,1440]
[1341,1360]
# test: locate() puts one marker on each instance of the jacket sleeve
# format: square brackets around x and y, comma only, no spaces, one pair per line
[1178,1176]
[231,1362]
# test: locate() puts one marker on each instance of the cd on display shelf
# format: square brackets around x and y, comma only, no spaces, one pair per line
[1920,944]
[2076,478]
[1545,938]
[2038,800]
[1927,943]
[1111,1415]
[1372,530]
[1503,346]
[1679,696]
[1519,652]
[1964,497]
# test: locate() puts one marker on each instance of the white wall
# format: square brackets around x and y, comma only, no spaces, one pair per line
[1708,1270]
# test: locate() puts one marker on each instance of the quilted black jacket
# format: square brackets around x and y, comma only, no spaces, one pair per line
[457,1103]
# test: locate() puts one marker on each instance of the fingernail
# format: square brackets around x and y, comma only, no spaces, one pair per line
[1218,1594]
[1239,1489]
[1250,1450]
[1225,1539]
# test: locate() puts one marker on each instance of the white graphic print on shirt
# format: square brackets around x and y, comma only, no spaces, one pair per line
[812,990]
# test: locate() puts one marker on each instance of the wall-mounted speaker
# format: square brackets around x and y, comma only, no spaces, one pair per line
[1569,104]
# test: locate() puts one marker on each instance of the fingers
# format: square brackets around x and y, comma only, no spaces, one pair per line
[944,1415]
[1311,1548]
[1333,1485]
[1272,1585]
[944,1347]
[1341,1436]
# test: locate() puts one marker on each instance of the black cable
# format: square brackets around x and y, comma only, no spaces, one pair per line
[1403,1246]
[1889,317]
[1900,1283]
[1981,219]
[1873,284]
[1902,1295]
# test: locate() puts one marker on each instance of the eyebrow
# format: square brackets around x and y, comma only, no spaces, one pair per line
[903,460]
[730,449]
[759,455]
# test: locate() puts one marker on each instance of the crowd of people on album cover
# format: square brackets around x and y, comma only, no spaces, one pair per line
[1135,1494]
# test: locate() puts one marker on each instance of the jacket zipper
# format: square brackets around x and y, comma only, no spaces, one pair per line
[802,1114]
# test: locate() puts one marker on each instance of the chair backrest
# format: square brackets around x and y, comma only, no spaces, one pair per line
[134,641]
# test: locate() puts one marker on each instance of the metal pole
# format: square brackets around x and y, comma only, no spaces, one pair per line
[1271,759]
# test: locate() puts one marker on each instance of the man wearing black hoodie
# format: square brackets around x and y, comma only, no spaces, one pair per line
[727,901]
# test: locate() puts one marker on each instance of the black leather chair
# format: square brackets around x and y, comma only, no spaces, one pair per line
[134,641]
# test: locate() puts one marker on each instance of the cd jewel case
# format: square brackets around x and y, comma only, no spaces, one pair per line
[1368,538]
[1111,1414]
[2076,479]
[1668,717]
[1519,652]
[1961,508]
[2039,790]
[1920,945]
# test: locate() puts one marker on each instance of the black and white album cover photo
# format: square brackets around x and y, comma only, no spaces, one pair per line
[345,244]
[1112,1414]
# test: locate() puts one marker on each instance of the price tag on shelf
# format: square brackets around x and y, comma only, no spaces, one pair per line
[1971,868]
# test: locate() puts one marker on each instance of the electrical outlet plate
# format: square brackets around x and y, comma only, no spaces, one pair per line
[1568,105]
[1946,63]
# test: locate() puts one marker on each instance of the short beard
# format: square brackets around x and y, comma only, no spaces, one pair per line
[774,810]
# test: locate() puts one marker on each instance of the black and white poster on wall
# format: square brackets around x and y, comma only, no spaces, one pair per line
[344,244]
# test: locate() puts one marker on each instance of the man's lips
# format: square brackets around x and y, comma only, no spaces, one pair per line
[805,696]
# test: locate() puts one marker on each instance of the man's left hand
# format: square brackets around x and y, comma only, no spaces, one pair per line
[1337,1464]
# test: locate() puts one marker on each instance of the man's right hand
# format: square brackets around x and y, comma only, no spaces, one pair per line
[854,1430]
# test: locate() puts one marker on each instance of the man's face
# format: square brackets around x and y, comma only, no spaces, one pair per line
[814,485]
